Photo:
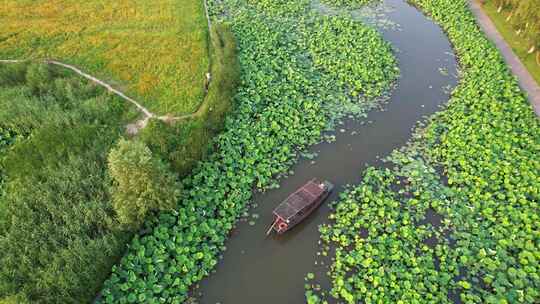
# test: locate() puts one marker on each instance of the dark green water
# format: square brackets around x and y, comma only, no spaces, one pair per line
[259,270]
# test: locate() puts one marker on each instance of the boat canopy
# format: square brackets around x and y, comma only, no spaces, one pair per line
[299,200]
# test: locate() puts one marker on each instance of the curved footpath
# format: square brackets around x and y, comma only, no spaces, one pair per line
[139,124]
[527,83]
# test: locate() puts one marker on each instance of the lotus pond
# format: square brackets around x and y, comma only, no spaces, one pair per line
[255,269]
[471,237]
[454,217]
[291,92]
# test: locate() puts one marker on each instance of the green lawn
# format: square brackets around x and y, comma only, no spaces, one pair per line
[518,44]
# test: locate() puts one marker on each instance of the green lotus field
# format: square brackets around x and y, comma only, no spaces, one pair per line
[94,212]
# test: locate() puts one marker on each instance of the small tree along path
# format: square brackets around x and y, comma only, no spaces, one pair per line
[526,81]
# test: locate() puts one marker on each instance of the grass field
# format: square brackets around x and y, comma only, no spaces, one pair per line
[156,51]
[518,44]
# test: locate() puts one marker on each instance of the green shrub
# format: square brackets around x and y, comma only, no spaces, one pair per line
[39,78]
[16,299]
[7,137]
[12,74]
[179,144]
[225,78]
[142,183]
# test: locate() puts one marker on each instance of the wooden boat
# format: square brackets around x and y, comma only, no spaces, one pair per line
[299,205]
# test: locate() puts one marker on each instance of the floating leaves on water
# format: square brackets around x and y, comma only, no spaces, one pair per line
[443,71]
[483,143]
[309,155]
[330,138]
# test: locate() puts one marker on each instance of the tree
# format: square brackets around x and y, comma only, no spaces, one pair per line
[142,183]
[39,78]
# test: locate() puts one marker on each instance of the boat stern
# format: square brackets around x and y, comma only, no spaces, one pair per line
[329,186]
[279,226]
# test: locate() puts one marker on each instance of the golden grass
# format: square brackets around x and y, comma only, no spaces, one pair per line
[155,50]
[184,142]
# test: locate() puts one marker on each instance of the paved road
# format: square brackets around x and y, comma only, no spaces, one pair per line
[526,81]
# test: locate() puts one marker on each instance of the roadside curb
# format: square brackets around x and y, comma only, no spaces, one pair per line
[526,81]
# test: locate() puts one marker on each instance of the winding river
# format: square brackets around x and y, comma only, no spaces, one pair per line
[260,270]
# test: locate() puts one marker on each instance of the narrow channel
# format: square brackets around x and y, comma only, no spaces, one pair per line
[255,269]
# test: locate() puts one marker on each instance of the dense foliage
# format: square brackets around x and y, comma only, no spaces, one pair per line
[351,40]
[157,50]
[283,105]
[142,183]
[7,137]
[14,300]
[457,218]
[58,233]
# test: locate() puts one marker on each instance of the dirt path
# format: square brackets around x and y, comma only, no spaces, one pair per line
[135,127]
[131,128]
[527,83]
